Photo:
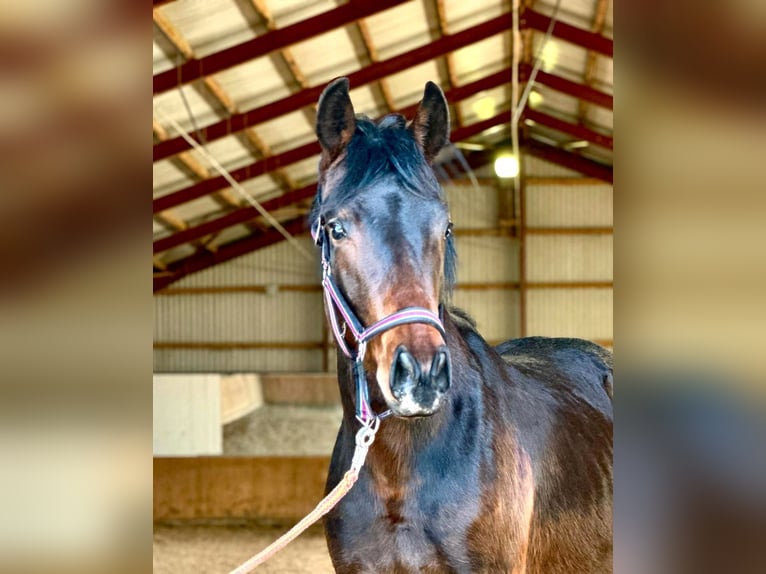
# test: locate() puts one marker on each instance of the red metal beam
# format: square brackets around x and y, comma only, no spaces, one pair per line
[568,87]
[569,160]
[305,151]
[585,38]
[236,217]
[204,259]
[574,130]
[213,184]
[275,40]
[371,73]
[247,213]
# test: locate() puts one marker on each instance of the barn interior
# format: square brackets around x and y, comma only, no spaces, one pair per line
[246,403]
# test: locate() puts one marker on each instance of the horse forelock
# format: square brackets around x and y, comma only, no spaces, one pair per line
[380,150]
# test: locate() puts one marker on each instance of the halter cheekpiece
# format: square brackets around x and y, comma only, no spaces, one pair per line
[335,301]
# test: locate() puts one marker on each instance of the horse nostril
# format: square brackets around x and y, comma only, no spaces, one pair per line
[404,373]
[440,373]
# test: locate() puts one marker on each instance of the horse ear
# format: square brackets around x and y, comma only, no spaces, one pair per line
[430,126]
[335,119]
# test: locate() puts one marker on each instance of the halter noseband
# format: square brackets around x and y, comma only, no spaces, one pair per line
[335,301]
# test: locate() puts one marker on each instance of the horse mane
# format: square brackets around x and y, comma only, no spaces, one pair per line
[381,150]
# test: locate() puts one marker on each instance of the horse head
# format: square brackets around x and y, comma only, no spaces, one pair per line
[385,232]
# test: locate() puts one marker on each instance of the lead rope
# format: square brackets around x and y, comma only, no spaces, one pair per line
[364,438]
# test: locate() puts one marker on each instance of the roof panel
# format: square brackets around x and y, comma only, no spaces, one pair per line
[553,100]
[286,132]
[482,58]
[286,12]
[407,86]
[166,178]
[230,234]
[160,61]
[171,104]
[461,14]
[326,56]
[261,188]
[400,29]
[365,102]
[253,84]
[601,117]
[184,250]
[198,210]
[228,151]
[304,172]
[560,57]
[578,13]
[604,74]
[208,26]
[485,104]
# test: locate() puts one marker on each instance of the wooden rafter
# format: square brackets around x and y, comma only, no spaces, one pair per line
[441,16]
[599,21]
[185,160]
[372,55]
[284,56]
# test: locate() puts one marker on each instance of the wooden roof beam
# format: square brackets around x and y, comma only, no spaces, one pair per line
[364,76]
[372,54]
[599,21]
[195,69]
[305,151]
[441,16]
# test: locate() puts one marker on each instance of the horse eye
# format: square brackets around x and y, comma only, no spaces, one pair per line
[448,232]
[336,230]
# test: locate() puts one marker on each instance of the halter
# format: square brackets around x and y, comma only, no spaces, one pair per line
[335,301]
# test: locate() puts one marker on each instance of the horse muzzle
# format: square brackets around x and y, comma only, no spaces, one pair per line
[418,386]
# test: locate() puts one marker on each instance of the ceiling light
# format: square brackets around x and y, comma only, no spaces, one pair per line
[535,99]
[550,55]
[484,108]
[506,165]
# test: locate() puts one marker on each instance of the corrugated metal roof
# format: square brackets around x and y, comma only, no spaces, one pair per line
[268,81]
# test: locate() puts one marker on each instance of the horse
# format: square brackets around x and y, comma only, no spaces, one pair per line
[486,459]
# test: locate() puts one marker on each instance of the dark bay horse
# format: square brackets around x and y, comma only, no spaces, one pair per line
[493,459]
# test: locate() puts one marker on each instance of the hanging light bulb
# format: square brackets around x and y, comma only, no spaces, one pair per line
[506,165]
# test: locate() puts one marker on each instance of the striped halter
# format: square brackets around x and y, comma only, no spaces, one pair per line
[336,303]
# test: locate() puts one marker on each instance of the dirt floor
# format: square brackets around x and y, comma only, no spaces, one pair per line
[218,549]
[281,430]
